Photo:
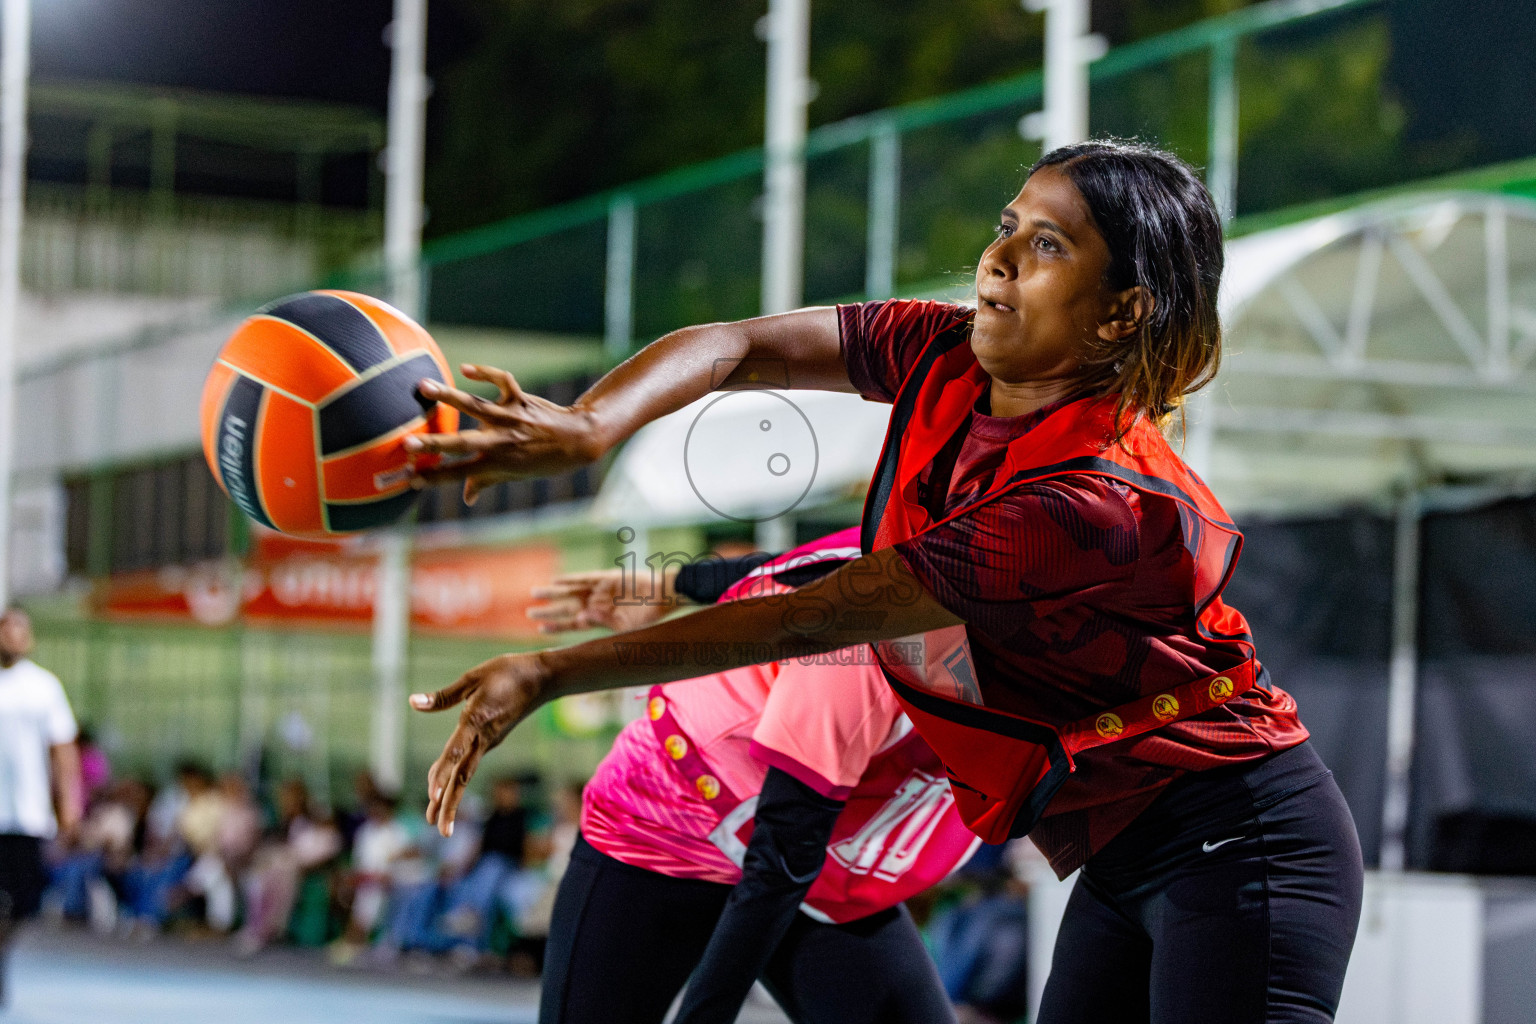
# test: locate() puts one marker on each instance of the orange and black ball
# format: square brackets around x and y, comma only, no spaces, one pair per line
[306,409]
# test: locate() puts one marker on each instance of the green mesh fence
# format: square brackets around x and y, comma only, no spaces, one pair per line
[698,257]
[836,223]
[905,200]
[293,703]
[1167,104]
[956,175]
[549,284]
[1319,118]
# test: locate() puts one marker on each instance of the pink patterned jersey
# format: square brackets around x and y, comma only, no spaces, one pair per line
[677,792]
[640,810]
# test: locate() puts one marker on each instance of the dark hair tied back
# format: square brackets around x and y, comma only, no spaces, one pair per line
[1164,236]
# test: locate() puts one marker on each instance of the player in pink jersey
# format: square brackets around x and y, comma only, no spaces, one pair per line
[735,799]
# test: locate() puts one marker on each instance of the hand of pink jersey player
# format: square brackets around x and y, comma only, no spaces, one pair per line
[519,435]
[496,695]
[608,598]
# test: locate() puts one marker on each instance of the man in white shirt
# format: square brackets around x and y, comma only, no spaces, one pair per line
[39,775]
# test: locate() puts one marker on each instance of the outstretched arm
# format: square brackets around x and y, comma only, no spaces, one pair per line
[869,599]
[610,598]
[522,435]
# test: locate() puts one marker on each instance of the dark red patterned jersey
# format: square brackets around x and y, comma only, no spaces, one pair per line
[1077,594]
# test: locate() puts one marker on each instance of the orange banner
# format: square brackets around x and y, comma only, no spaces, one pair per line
[470,591]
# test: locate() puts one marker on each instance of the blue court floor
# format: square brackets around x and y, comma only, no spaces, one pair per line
[71,977]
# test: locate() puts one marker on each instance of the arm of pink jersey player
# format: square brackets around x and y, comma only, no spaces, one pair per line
[817,617]
[605,598]
[582,600]
[522,435]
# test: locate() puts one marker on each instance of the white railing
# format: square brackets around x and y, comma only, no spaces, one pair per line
[131,242]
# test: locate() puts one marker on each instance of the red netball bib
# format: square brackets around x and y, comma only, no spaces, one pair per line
[1005,767]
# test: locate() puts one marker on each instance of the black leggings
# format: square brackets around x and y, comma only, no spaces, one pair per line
[1233,898]
[624,940]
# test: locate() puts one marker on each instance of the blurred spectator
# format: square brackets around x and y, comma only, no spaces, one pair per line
[422,889]
[301,841]
[564,829]
[980,942]
[88,874]
[120,853]
[39,775]
[506,828]
[198,822]
[95,769]
[166,807]
[166,857]
[472,903]
[530,894]
[349,820]
[120,834]
[383,852]
[141,858]
[222,830]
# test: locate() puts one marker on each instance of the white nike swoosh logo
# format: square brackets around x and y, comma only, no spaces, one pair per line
[1209,847]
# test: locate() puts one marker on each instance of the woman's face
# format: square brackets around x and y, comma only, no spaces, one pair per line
[1040,288]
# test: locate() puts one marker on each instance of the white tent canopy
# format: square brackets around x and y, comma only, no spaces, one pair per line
[744,455]
[1385,347]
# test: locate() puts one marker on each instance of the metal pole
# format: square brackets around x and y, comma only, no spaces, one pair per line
[1496,251]
[1221,180]
[1069,49]
[98,162]
[1221,142]
[619,293]
[1402,700]
[789,92]
[15,58]
[162,154]
[789,42]
[884,211]
[402,254]
[776,535]
[391,637]
[403,155]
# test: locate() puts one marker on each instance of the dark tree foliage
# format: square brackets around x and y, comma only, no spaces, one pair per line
[1467,81]
[546,102]
[540,101]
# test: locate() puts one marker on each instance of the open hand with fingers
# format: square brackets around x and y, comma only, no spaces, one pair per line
[607,598]
[520,435]
[496,695]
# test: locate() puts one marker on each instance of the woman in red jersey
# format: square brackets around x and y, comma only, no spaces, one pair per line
[1042,583]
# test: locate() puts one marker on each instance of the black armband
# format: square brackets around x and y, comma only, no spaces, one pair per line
[705,581]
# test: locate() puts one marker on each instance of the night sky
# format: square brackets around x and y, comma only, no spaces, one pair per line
[323,50]
[313,49]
